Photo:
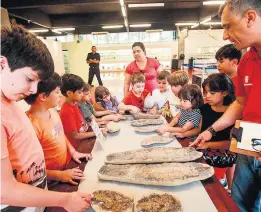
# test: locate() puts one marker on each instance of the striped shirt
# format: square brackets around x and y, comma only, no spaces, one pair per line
[192,116]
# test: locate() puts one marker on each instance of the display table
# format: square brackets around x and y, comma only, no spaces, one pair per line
[207,195]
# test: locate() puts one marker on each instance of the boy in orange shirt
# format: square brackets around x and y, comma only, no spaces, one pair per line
[49,129]
[25,61]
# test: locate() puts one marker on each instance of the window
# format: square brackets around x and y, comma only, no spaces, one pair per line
[134,37]
[155,36]
[123,37]
[144,37]
[113,37]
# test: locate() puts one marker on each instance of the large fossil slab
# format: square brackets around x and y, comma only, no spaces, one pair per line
[154,155]
[156,140]
[145,122]
[145,116]
[111,201]
[165,174]
[147,129]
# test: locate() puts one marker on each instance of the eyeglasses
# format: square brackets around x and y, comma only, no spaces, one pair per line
[256,144]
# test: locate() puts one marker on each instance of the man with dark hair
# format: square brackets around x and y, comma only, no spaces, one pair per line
[25,60]
[93,59]
[241,20]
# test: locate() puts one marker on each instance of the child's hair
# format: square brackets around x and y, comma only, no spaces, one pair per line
[220,82]
[24,49]
[163,75]
[86,87]
[178,78]
[192,93]
[71,82]
[228,52]
[46,87]
[102,91]
[137,77]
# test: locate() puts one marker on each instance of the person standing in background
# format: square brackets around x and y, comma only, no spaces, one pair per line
[150,67]
[93,59]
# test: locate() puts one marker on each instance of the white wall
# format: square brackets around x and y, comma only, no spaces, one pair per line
[77,53]
[202,39]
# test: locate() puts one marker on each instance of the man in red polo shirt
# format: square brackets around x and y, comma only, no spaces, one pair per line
[241,20]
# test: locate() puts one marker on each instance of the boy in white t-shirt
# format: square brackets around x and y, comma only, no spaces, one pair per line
[157,101]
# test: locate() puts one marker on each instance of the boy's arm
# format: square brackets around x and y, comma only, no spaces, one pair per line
[123,107]
[222,145]
[81,135]
[29,196]
[101,113]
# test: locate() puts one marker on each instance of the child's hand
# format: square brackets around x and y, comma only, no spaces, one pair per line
[116,118]
[178,135]
[69,175]
[133,109]
[78,155]
[76,201]
[163,129]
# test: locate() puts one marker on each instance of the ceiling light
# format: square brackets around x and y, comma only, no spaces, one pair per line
[154,30]
[147,5]
[56,31]
[64,29]
[194,26]
[123,10]
[205,20]
[38,30]
[100,33]
[140,25]
[212,23]
[122,2]
[112,27]
[185,24]
[213,2]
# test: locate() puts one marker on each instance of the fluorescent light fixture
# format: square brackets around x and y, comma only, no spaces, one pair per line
[212,23]
[57,32]
[154,30]
[194,26]
[122,3]
[38,30]
[112,27]
[213,2]
[123,10]
[100,33]
[64,29]
[140,25]
[185,24]
[147,5]
[205,20]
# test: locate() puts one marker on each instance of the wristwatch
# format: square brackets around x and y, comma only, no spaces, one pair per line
[212,131]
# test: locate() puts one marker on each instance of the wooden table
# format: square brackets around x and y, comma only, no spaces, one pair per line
[222,201]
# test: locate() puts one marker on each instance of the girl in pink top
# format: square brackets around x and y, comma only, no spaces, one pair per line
[150,67]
